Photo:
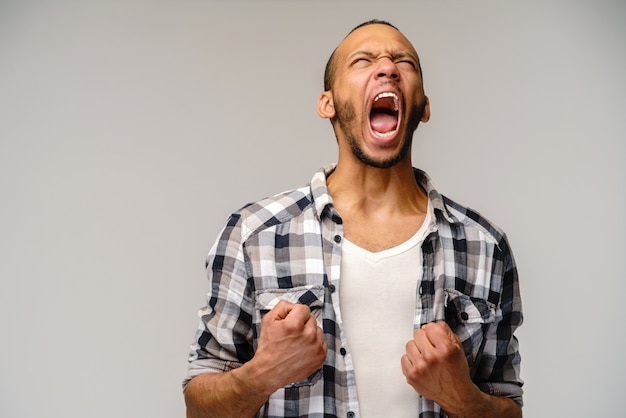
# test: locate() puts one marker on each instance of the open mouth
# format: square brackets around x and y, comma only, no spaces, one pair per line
[384,115]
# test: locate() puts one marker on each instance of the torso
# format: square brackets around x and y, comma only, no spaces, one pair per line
[377,298]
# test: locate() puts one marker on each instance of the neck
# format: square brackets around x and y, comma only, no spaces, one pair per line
[380,208]
[371,191]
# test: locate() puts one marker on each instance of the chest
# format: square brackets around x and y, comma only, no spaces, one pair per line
[379,234]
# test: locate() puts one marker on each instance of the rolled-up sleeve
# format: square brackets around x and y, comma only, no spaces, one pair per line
[499,371]
[224,339]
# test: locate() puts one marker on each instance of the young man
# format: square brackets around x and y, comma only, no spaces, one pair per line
[365,293]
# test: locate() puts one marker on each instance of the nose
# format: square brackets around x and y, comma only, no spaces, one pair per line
[387,68]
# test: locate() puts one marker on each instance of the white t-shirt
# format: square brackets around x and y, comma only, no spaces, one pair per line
[377,297]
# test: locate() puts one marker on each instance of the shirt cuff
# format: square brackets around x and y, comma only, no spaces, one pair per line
[198,367]
[510,390]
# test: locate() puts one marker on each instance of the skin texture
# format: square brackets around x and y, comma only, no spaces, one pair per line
[381,204]
[367,63]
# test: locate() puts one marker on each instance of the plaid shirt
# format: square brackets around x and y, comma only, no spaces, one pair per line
[289,247]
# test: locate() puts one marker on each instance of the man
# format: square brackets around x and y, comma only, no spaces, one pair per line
[365,293]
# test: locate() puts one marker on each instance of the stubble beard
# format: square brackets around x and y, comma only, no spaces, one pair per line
[346,116]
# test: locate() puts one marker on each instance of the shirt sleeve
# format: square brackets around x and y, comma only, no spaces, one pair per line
[498,372]
[224,339]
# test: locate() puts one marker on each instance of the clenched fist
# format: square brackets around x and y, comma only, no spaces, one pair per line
[436,367]
[291,343]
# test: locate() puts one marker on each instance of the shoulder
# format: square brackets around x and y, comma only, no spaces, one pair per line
[274,210]
[472,220]
[475,243]
[455,220]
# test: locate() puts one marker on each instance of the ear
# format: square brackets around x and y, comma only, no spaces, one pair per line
[426,113]
[326,106]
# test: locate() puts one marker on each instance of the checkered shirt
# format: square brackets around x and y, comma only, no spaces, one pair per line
[289,247]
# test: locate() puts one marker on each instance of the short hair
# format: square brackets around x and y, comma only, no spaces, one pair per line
[329,72]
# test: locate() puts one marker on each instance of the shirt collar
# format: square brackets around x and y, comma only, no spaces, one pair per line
[323,201]
[436,199]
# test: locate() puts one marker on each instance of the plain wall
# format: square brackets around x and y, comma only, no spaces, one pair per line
[130,129]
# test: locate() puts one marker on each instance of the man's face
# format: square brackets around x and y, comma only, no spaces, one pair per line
[377,99]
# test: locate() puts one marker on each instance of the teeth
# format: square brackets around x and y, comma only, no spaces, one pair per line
[385,135]
[388,94]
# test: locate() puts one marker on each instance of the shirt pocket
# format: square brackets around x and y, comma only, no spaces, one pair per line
[469,318]
[312,296]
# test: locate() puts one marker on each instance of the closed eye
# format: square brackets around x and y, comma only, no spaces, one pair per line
[361,60]
[407,62]
[361,57]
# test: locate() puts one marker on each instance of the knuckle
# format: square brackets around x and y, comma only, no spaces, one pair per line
[301,308]
[293,326]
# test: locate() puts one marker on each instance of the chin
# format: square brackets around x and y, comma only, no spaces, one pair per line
[381,162]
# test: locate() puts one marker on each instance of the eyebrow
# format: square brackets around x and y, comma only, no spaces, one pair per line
[394,55]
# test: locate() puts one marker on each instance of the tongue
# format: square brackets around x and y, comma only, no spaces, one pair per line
[383,123]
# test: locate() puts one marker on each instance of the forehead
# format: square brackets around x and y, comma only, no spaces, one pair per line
[375,38]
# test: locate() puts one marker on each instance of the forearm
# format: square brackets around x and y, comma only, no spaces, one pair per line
[489,406]
[230,394]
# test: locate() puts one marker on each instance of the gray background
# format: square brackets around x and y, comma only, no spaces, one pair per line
[130,129]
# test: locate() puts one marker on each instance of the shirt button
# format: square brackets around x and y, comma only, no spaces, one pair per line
[331,288]
[337,239]
[350,414]
[464,316]
[342,351]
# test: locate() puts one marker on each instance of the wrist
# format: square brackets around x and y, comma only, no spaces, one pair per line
[254,379]
[477,404]
[483,405]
